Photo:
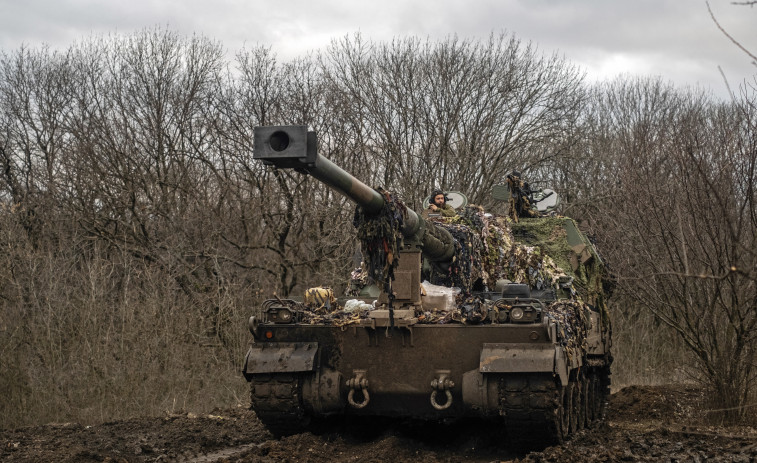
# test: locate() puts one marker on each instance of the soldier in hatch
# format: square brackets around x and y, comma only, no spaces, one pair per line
[438,205]
[521,197]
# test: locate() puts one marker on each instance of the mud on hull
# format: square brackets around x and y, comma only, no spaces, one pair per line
[513,374]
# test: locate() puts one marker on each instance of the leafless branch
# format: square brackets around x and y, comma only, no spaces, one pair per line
[735,42]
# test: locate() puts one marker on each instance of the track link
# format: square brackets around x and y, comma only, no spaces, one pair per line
[538,411]
[276,400]
[531,405]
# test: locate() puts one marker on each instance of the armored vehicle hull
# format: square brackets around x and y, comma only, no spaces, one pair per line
[532,355]
[514,374]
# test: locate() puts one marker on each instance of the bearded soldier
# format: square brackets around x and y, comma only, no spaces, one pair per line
[438,205]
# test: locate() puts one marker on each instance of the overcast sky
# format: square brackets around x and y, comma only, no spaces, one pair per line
[675,39]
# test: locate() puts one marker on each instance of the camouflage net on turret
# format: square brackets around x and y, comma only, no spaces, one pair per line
[526,264]
[380,238]
[485,252]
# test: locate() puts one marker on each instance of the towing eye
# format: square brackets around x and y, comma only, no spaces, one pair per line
[359,382]
[442,383]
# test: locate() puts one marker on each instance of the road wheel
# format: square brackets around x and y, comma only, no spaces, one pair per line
[565,409]
[575,406]
[583,411]
[591,399]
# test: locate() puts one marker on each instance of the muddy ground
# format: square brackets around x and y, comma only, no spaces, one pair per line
[644,424]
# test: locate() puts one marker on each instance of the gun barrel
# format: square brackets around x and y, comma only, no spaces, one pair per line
[338,179]
[294,147]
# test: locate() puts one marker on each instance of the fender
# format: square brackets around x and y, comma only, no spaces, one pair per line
[524,358]
[280,357]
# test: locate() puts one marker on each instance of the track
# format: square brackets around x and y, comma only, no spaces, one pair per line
[538,411]
[276,400]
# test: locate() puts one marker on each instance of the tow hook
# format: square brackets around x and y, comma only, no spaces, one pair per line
[442,383]
[359,382]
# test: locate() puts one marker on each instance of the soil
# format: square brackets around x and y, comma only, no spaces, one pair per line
[643,424]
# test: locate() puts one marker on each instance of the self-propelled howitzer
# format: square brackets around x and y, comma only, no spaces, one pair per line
[525,344]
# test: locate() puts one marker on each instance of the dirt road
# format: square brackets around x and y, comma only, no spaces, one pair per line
[644,424]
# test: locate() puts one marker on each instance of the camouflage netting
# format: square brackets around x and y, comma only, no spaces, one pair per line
[468,264]
[330,314]
[572,316]
[380,238]
[574,319]
[589,281]
[358,280]
[485,251]
[341,316]
[479,247]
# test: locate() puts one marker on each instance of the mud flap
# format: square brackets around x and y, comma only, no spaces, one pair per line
[280,357]
[523,358]
[561,365]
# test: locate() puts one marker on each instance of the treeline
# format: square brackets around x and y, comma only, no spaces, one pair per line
[138,234]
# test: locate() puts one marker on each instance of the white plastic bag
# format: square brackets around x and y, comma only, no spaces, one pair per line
[438,297]
[356,304]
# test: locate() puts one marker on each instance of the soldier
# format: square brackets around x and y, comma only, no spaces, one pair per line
[438,205]
[521,197]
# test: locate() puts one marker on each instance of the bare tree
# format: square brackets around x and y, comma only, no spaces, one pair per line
[112,166]
[458,113]
[679,222]
[738,44]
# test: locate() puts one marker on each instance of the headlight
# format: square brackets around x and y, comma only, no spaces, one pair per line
[516,314]
[284,316]
[280,315]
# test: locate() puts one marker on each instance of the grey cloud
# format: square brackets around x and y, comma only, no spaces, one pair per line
[674,39]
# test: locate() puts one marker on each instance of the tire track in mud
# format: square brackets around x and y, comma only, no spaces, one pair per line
[644,424]
[225,454]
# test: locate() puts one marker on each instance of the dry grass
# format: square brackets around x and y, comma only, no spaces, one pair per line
[646,352]
[108,339]
[102,340]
